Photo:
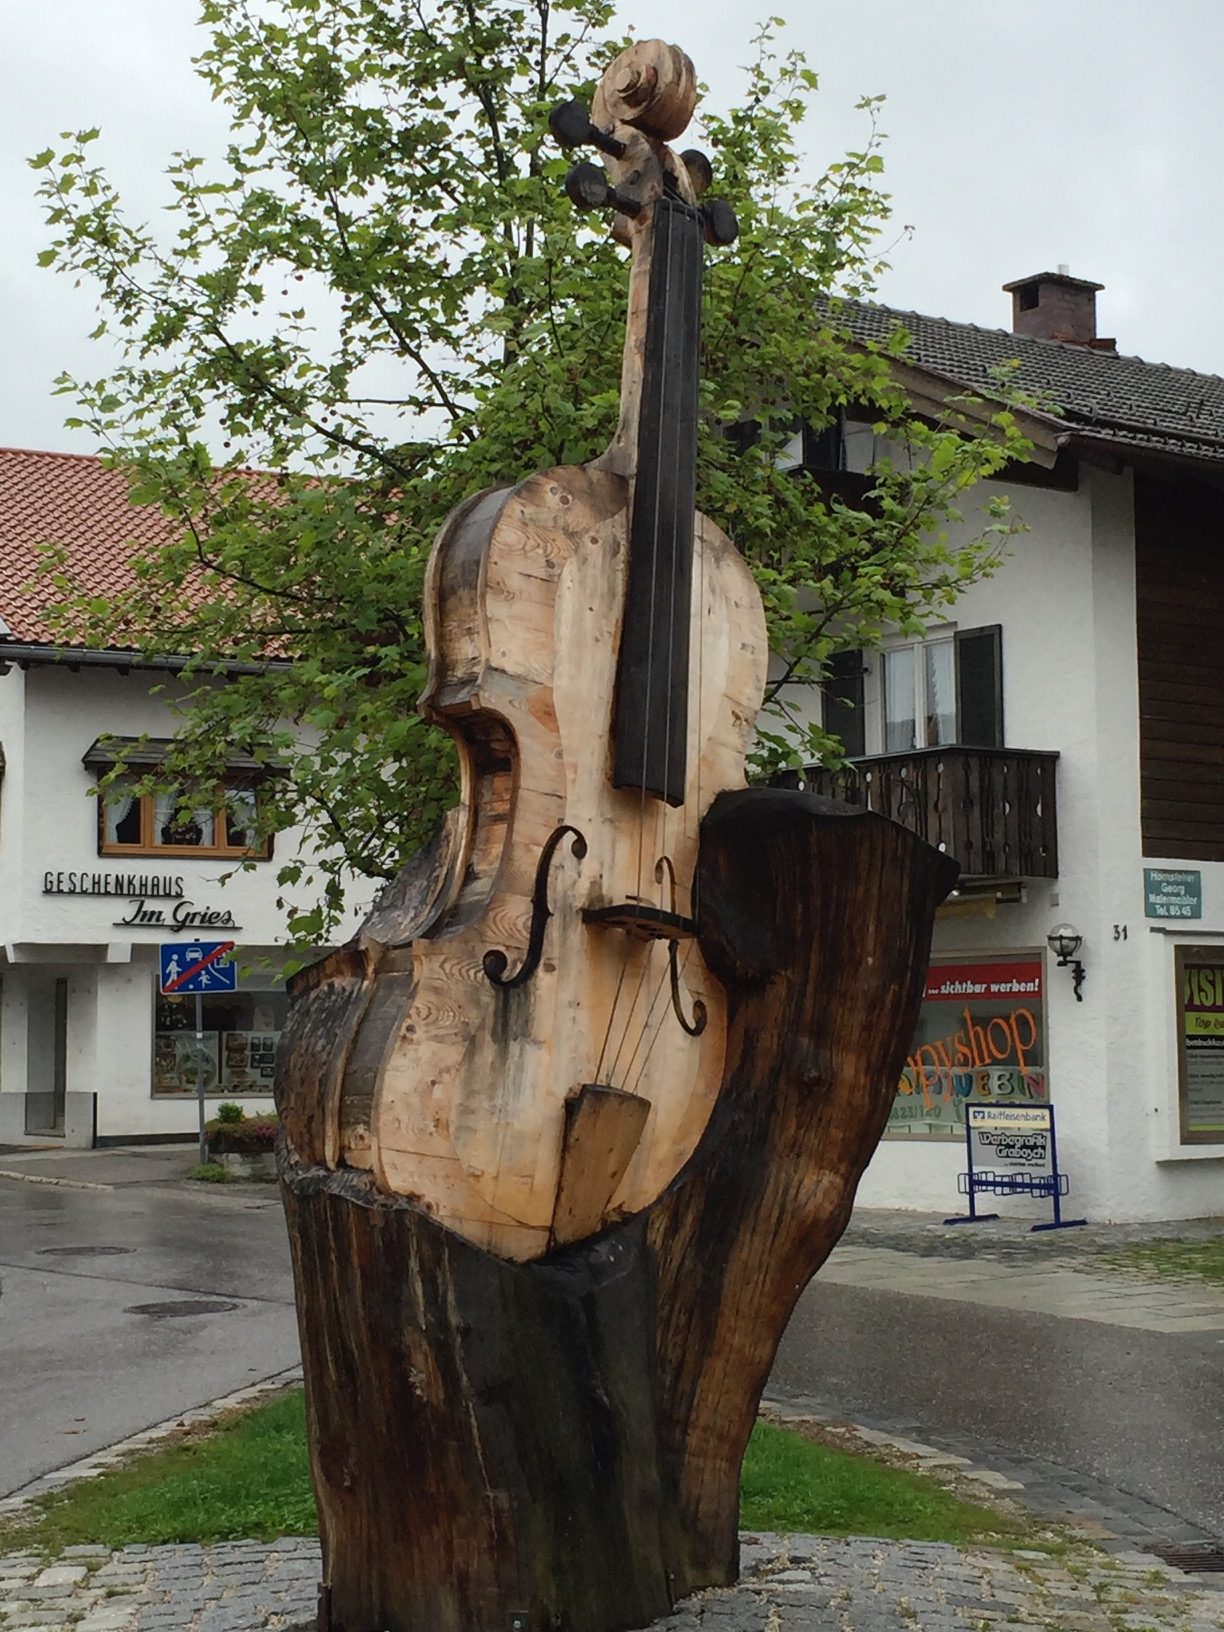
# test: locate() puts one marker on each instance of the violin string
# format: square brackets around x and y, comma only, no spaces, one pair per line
[663,214]
[693,302]
[641,822]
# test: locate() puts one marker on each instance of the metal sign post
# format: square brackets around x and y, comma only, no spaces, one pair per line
[1012,1150]
[203,966]
[199,1007]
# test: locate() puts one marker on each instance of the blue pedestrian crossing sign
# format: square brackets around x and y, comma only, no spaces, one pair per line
[197,966]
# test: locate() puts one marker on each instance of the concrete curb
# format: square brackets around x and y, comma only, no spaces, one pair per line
[89,1467]
[43,1178]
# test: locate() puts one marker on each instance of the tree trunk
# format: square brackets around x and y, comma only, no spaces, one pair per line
[555,1446]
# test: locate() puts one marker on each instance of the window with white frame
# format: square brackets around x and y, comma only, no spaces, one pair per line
[946,689]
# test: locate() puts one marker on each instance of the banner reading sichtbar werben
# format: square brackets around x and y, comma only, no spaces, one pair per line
[980,1039]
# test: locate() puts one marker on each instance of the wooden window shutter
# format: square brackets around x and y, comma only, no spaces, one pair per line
[979,687]
[825,449]
[843,702]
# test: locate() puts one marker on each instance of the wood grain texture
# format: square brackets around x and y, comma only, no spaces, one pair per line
[563,1436]
[505,1421]
[603,1128]
[1179,602]
[450,1089]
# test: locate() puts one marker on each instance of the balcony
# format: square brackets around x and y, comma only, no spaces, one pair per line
[993,809]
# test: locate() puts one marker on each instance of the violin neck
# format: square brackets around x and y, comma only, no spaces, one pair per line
[650,717]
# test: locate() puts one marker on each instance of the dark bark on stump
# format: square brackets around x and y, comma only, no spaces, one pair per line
[563,1438]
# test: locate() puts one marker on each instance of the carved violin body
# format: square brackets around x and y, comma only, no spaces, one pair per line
[542,1042]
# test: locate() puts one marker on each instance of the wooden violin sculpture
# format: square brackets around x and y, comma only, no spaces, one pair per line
[572,1120]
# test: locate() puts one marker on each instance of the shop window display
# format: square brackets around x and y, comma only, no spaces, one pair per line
[241,1036]
[980,1039]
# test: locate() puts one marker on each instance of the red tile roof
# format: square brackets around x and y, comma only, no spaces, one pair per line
[73,500]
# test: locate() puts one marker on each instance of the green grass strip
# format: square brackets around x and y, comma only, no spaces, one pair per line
[248,1479]
[792,1483]
[1174,1260]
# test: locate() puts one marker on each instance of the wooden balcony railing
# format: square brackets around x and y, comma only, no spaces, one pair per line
[992,809]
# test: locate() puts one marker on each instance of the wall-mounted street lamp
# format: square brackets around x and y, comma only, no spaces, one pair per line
[1065,942]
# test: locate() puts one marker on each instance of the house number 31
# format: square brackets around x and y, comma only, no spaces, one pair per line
[1119,932]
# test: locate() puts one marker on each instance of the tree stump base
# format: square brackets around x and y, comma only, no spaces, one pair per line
[555,1446]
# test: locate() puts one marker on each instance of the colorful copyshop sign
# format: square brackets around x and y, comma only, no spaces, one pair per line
[1172,893]
[980,1039]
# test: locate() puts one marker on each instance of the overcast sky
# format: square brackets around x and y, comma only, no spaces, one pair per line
[1087,132]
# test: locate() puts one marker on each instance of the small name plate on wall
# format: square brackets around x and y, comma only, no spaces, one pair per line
[1170,893]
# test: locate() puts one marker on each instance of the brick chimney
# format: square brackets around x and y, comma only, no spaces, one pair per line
[1056,306]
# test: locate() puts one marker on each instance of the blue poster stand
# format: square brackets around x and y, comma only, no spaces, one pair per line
[976,1181]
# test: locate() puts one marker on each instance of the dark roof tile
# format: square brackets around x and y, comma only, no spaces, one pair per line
[1099,393]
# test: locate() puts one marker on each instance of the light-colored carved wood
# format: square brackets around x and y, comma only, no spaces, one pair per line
[603,1127]
[650,85]
[470,1113]
[645,99]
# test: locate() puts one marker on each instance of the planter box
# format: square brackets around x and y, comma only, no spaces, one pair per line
[258,1164]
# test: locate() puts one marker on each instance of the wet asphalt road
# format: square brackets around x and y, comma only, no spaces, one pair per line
[79,1370]
[1141,1411]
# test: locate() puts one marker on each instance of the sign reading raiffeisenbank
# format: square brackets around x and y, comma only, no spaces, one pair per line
[1016,1117]
[1172,893]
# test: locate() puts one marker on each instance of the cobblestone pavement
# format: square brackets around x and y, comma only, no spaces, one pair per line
[1009,1240]
[790,1584]
[1112,1519]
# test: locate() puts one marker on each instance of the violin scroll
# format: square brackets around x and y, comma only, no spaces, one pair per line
[652,86]
[645,98]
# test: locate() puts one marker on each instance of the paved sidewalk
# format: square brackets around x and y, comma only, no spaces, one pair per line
[110,1168]
[1004,1265]
[1010,1239]
[1073,1289]
[790,1584]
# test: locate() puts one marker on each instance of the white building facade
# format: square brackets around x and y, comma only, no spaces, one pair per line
[90,1052]
[90,887]
[1062,736]
[1105,624]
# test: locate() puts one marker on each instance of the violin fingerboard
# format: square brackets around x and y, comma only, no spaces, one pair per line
[650,714]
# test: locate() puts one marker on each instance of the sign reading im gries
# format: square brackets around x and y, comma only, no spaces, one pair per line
[155,900]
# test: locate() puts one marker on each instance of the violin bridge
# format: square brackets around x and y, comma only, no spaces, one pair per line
[640,918]
[603,1128]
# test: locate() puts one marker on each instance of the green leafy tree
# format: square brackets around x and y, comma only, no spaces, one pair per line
[381,299]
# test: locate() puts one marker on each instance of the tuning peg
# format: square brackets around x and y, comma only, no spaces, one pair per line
[570,123]
[588,188]
[700,171]
[721,225]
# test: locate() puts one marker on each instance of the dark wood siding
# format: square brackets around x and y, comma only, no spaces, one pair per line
[1179,571]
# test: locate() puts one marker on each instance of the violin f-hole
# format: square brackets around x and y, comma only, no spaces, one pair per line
[495,962]
[697,1024]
